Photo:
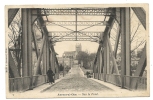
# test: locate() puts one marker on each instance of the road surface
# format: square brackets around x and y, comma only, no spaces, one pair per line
[75,81]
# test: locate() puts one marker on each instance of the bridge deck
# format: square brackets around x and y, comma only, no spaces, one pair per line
[75,84]
[75,81]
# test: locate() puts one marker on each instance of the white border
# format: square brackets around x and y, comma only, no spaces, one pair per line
[36,2]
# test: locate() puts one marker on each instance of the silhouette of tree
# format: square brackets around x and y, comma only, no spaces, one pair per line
[86,58]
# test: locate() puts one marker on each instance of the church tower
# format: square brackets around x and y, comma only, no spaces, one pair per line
[78,47]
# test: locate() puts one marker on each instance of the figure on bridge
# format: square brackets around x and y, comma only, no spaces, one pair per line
[50,75]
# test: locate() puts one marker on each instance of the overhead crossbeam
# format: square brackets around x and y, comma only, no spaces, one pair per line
[79,23]
[72,34]
[80,11]
[74,39]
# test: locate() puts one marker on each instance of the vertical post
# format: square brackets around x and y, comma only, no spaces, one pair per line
[100,59]
[97,63]
[30,47]
[128,46]
[125,46]
[52,60]
[51,57]
[106,56]
[44,57]
[47,52]
[24,43]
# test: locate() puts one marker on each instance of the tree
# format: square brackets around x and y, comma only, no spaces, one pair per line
[136,29]
[139,53]
[86,58]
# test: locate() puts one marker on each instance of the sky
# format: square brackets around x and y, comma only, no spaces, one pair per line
[60,47]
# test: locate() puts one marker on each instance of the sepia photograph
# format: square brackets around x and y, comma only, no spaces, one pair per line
[77,50]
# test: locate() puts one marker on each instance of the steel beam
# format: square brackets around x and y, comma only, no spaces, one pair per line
[106,57]
[24,43]
[125,46]
[48,61]
[40,56]
[44,57]
[79,23]
[94,65]
[34,35]
[141,14]
[102,69]
[113,58]
[117,41]
[11,15]
[98,63]
[53,61]
[29,49]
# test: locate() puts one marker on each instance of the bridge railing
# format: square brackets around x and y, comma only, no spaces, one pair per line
[115,79]
[20,84]
[141,83]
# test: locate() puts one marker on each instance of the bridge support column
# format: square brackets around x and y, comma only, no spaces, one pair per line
[44,58]
[30,47]
[106,56]
[53,61]
[102,61]
[27,44]
[125,47]
[98,64]
[24,43]
[100,58]
[47,52]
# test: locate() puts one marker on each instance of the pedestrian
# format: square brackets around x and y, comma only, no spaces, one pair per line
[50,75]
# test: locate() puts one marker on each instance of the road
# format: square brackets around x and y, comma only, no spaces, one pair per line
[75,81]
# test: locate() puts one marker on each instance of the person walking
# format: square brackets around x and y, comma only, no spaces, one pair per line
[50,75]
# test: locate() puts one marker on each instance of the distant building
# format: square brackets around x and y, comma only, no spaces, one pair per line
[70,54]
[78,47]
[69,57]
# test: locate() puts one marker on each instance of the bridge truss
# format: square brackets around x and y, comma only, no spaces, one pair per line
[31,49]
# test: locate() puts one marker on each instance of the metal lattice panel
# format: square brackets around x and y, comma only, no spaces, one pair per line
[79,23]
[72,34]
[79,11]
[76,39]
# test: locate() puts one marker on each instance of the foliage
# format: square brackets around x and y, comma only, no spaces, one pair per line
[86,58]
[139,53]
